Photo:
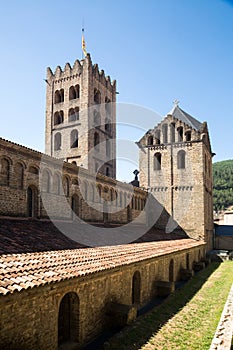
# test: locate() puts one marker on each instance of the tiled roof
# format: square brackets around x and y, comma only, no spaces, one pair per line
[23,271]
[181,115]
[24,236]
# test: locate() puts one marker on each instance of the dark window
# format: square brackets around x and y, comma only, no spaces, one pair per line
[57,141]
[74,92]
[68,319]
[164,129]
[136,288]
[74,138]
[172,132]
[180,133]
[108,106]
[73,114]
[58,117]
[96,141]
[188,135]
[181,159]
[157,161]
[150,140]
[59,96]
[157,137]
[107,171]
[97,96]
[32,203]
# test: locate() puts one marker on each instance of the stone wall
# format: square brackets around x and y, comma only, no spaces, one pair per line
[58,186]
[30,318]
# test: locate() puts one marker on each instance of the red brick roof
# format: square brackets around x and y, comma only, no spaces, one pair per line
[23,271]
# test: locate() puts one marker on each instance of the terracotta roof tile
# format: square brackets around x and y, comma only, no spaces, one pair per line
[24,271]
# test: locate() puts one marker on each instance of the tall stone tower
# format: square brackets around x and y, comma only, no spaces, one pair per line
[81,117]
[176,167]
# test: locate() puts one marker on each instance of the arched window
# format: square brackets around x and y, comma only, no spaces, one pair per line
[74,92]
[150,141]
[57,141]
[107,171]
[188,135]
[56,184]
[85,190]
[97,96]
[97,118]
[19,174]
[32,201]
[136,288]
[180,133]
[107,125]
[46,181]
[181,159]
[157,161]
[74,139]
[68,319]
[59,96]
[108,106]
[58,117]
[172,132]
[164,129]
[96,141]
[157,137]
[73,114]
[33,170]
[4,172]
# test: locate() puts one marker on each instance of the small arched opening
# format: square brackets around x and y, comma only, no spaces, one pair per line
[136,288]
[181,159]
[68,319]
[32,201]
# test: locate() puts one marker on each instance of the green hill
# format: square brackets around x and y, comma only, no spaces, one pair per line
[223,184]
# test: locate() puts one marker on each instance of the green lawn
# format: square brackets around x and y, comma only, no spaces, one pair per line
[188,318]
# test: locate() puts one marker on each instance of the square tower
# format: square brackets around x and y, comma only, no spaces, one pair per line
[81,117]
[175,161]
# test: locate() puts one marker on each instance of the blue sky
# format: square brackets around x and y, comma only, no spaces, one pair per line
[157,51]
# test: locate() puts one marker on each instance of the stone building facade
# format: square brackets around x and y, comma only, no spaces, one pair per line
[55,297]
[81,117]
[67,298]
[176,166]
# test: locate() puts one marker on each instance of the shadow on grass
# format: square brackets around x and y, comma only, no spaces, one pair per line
[138,334]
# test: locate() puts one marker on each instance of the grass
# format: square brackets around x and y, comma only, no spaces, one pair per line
[188,318]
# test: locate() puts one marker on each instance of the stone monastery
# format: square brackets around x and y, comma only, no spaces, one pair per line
[80,251]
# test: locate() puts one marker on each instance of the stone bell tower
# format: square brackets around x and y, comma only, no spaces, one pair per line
[176,167]
[81,116]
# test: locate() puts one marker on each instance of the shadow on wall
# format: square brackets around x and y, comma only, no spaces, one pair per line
[140,332]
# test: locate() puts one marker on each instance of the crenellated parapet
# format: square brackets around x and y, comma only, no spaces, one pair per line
[100,76]
[68,71]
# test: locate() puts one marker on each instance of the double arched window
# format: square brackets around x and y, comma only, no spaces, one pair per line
[59,96]
[58,117]
[74,92]
[73,114]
